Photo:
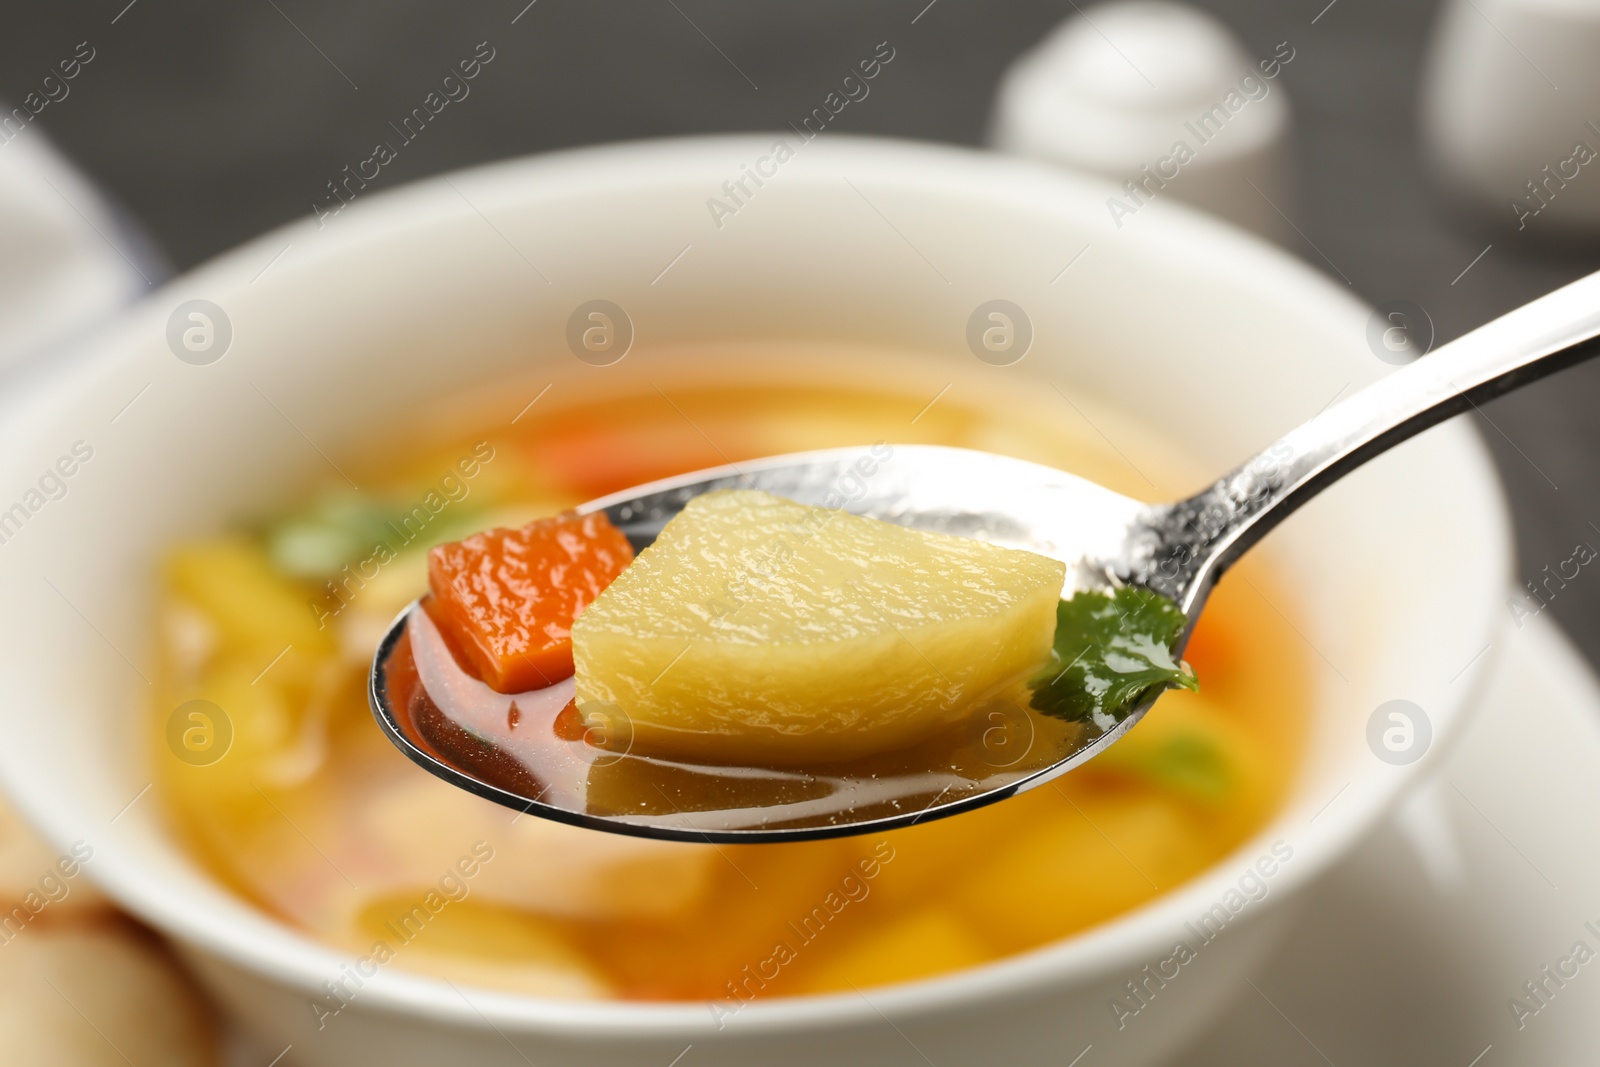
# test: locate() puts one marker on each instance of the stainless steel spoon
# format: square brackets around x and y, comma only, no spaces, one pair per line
[1177,549]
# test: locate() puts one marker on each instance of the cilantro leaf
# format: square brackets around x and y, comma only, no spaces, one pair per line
[1111,652]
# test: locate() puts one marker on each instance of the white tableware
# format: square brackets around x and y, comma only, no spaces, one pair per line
[310,340]
[1161,98]
[67,262]
[1511,111]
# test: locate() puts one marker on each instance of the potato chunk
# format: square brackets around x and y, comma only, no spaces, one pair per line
[759,631]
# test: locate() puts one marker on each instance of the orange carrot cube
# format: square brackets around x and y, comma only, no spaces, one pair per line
[505,599]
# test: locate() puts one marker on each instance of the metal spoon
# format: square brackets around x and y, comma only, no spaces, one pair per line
[1177,549]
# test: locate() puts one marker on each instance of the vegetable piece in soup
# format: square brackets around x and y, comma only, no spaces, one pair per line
[759,631]
[505,599]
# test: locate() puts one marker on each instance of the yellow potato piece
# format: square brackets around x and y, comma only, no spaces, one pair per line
[1106,853]
[231,581]
[920,944]
[760,631]
[464,940]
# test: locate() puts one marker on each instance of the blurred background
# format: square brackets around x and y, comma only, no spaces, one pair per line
[204,125]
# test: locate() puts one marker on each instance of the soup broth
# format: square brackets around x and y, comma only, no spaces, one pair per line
[267,633]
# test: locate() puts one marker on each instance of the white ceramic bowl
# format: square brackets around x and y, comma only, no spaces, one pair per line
[1223,341]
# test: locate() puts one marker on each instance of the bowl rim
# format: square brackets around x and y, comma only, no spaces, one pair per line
[260,944]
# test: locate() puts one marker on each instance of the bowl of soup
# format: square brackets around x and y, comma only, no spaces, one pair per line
[218,507]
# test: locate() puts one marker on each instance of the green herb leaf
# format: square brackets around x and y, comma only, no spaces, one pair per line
[335,528]
[1190,762]
[1111,652]
[343,526]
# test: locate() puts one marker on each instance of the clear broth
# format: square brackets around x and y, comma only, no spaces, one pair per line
[315,817]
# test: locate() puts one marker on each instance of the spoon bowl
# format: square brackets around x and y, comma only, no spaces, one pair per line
[1106,540]
[954,491]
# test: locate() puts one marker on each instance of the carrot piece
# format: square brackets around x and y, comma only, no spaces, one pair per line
[505,598]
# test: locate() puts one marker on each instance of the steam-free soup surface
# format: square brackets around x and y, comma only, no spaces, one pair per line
[312,814]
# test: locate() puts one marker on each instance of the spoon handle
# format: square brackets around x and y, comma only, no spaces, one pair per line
[1189,543]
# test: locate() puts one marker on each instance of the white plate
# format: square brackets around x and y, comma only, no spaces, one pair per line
[1411,951]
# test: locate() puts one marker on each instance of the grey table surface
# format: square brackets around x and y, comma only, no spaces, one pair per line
[211,123]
